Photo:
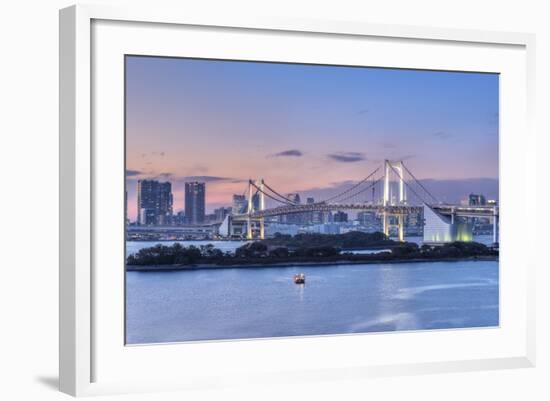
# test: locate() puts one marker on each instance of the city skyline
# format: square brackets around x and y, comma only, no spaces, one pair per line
[307,129]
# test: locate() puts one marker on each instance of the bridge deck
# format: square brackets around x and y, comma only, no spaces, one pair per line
[463,211]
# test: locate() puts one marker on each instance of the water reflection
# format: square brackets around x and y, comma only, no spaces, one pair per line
[252,303]
[301,290]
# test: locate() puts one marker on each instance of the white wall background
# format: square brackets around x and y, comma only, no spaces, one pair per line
[29,199]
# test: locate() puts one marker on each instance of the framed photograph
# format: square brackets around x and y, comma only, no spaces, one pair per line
[279,200]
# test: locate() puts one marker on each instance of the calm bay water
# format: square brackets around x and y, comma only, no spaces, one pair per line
[265,302]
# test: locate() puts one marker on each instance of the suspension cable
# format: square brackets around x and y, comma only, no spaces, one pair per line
[270,196]
[408,186]
[362,190]
[285,199]
[419,183]
[352,188]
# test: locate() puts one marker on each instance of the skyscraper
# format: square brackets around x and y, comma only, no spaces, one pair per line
[294,197]
[239,204]
[154,202]
[166,201]
[296,218]
[476,200]
[146,201]
[221,213]
[340,217]
[195,201]
[256,201]
[312,217]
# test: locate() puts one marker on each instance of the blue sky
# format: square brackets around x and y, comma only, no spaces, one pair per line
[306,128]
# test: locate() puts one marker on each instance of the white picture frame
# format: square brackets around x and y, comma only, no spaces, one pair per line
[82,217]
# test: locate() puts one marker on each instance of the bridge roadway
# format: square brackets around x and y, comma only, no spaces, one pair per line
[467,211]
[460,211]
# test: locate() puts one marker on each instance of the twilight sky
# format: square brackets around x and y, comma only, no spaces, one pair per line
[306,128]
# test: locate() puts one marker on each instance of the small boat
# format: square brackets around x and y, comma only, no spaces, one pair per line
[300,278]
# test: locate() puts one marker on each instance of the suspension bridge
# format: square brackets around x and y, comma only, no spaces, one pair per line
[400,194]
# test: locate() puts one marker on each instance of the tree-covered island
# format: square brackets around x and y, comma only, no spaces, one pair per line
[306,249]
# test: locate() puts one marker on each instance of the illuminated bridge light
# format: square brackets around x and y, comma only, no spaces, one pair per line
[441,223]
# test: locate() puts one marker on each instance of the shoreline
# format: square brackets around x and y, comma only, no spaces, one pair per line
[367,248]
[167,268]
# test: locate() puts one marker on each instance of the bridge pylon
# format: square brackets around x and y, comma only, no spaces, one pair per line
[388,200]
[249,212]
[262,207]
[397,167]
[251,208]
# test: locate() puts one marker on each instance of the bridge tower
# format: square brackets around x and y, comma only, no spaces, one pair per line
[262,207]
[251,208]
[249,211]
[398,168]
[390,166]
[495,225]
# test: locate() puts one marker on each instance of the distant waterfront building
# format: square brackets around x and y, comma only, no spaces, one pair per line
[221,213]
[154,202]
[327,228]
[195,202]
[239,204]
[317,218]
[414,223]
[210,218]
[147,217]
[293,218]
[294,197]
[476,200]
[147,201]
[340,217]
[326,217]
[365,218]
[371,221]
[286,229]
[179,218]
[166,203]
[256,201]
[312,217]
[441,229]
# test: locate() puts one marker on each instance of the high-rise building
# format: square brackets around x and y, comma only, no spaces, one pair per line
[239,205]
[312,217]
[476,200]
[195,202]
[146,200]
[294,197]
[317,217]
[179,218]
[221,213]
[256,201]
[414,222]
[296,218]
[340,217]
[166,203]
[154,202]
[210,218]
[369,220]
[147,217]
